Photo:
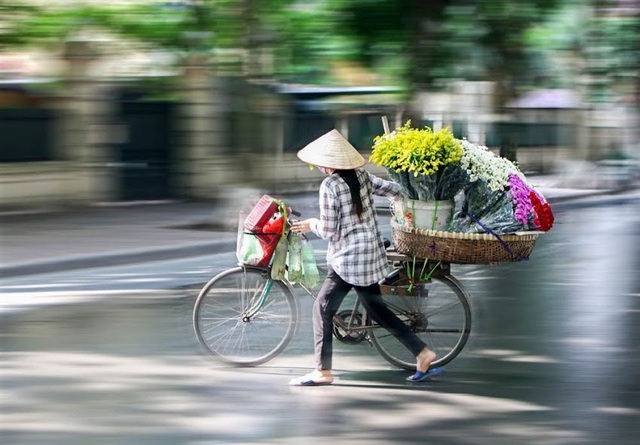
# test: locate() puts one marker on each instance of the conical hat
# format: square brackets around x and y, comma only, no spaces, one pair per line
[332,150]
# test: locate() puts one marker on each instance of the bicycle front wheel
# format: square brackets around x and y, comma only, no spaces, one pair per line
[441,317]
[243,317]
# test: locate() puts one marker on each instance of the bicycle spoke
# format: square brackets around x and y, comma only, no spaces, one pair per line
[242,321]
[432,313]
[441,319]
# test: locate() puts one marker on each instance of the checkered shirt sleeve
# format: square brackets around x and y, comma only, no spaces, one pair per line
[356,248]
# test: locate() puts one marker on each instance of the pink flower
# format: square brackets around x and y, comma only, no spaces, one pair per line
[521,198]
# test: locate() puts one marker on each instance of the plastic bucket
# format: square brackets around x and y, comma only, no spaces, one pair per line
[435,215]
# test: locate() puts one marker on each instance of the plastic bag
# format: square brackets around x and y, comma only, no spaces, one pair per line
[249,250]
[260,231]
[275,224]
[279,265]
[248,247]
[294,261]
[440,186]
[311,277]
[485,211]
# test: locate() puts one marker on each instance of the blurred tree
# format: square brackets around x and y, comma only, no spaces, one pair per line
[498,32]
[38,26]
[12,15]
[434,41]
[593,44]
[612,50]
[307,38]
[398,37]
[421,43]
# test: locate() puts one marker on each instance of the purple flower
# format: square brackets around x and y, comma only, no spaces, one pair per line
[521,201]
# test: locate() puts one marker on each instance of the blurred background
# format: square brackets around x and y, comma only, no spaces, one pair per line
[133,100]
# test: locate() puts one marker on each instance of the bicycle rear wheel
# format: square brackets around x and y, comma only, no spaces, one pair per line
[243,317]
[441,317]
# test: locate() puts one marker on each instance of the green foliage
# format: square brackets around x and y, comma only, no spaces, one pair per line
[11,14]
[163,27]
[423,276]
[170,26]
[424,44]
[372,24]
[606,44]
[308,39]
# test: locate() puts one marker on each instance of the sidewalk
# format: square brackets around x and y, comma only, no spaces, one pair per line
[105,235]
[121,234]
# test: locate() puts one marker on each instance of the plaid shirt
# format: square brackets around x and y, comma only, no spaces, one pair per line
[356,248]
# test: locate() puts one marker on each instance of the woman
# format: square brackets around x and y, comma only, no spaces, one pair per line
[356,255]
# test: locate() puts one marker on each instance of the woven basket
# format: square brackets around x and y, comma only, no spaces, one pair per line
[462,248]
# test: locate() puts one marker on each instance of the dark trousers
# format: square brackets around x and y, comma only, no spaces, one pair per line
[331,295]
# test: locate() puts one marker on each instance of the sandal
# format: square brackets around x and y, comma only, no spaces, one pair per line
[420,376]
[311,379]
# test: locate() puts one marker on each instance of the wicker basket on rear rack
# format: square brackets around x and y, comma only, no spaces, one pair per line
[462,248]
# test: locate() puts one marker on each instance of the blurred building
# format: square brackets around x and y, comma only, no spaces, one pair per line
[109,121]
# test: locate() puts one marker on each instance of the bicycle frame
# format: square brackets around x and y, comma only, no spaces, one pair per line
[395,260]
[257,306]
[352,325]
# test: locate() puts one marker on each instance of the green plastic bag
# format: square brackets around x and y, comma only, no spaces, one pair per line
[294,260]
[250,252]
[279,265]
[311,277]
[248,249]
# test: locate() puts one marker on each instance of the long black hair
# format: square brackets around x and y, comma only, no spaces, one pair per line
[351,178]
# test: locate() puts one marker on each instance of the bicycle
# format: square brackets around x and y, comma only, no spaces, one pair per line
[244,318]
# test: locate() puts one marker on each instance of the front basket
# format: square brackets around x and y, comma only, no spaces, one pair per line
[462,248]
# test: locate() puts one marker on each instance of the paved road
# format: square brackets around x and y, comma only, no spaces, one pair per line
[553,358]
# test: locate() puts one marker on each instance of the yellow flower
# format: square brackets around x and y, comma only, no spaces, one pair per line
[420,151]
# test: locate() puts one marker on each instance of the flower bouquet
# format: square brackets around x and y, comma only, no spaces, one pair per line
[425,163]
[497,198]
[497,215]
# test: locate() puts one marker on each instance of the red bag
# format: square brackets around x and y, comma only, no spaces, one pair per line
[268,242]
[275,224]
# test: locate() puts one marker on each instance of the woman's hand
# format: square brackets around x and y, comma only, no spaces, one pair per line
[301,226]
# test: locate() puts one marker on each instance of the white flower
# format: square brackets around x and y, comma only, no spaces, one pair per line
[481,163]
